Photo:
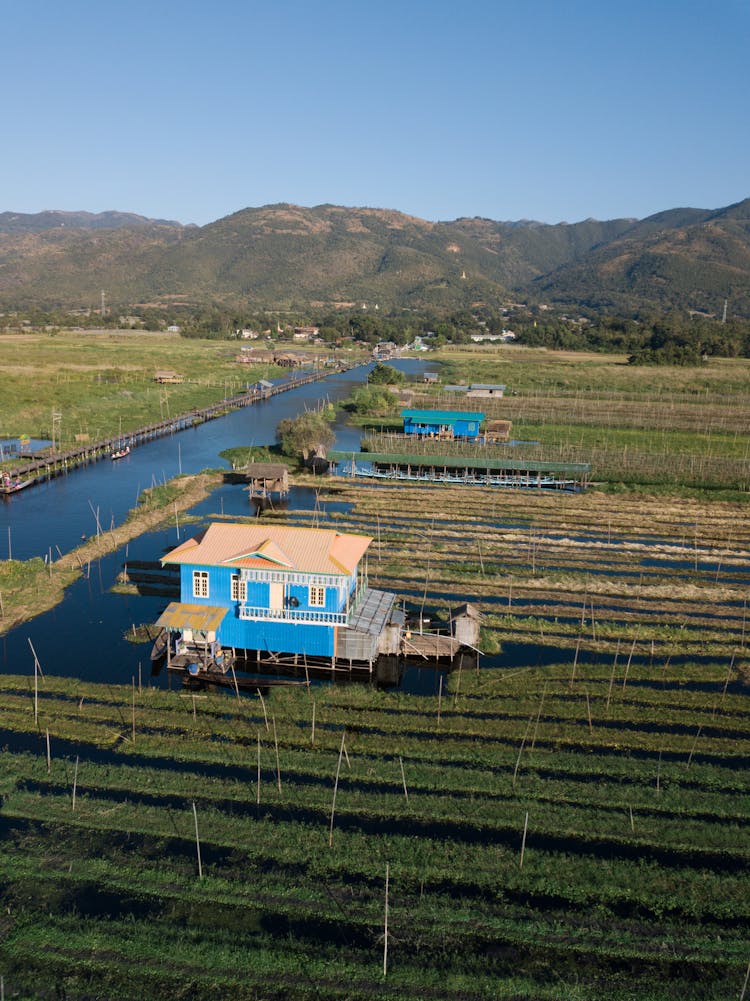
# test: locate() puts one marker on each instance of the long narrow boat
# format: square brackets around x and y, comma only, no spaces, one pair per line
[120,453]
[8,486]
[159,649]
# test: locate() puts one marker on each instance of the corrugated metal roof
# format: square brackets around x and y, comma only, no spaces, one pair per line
[181,615]
[446,416]
[486,385]
[265,547]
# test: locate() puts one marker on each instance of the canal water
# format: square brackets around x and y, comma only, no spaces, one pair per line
[85,635]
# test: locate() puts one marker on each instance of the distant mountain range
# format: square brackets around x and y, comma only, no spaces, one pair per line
[284,255]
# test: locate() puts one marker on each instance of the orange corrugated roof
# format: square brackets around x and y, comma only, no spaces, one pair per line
[308,550]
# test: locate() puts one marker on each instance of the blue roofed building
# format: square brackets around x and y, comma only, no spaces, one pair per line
[443,424]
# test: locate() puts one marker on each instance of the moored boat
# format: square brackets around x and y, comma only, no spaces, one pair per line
[159,649]
[120,453]
[12,486]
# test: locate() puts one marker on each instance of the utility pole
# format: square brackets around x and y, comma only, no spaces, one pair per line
[724,314]
[104,308]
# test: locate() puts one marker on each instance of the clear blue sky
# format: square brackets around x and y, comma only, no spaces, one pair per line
[507,109]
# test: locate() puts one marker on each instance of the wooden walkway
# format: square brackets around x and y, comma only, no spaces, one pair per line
[60,463]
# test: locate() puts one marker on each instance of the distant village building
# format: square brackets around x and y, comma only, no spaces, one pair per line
[504,337]
[247,334]
[173,329]
[384,350]
[430,377]
[167,376]
[485,389]
[305,333]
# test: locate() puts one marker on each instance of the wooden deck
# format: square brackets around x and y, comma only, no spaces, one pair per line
[430,646]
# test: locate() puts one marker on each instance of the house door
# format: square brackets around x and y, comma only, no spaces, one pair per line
[276,595]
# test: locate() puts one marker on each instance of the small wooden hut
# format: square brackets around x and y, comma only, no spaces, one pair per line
[266,478]
[465,624]
[167,376]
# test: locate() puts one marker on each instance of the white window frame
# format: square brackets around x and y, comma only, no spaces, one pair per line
[200,584]
[238,588]
[317,596]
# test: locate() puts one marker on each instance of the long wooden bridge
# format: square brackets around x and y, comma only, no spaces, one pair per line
[52,464]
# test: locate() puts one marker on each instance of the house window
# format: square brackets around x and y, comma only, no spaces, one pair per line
[200,583]
[239,588]
[317,597]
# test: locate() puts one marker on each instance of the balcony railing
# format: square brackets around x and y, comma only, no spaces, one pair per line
[311,616]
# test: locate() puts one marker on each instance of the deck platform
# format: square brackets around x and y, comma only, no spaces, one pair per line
[430,646]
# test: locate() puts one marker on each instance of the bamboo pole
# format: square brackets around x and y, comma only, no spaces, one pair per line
[312,732]
[236,686]
[726,683]
[588,711]
[385,923]
[692,749]
[75,786]
[276,745]
[440,700]
[335,790]
[612,676]
[627,666]
[133,721]
[520,751]
[632,823]
[538,716]
[197,843]
[403,778]
[263,703]
[575,662]
[49,756]
[744,986]
[257,785]
[523,840]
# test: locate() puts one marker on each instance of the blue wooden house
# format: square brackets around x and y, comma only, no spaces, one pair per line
[444,424]
[275,589]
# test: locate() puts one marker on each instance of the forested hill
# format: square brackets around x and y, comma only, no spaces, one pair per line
[287,255]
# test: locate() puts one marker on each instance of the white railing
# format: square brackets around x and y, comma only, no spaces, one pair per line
[311,616]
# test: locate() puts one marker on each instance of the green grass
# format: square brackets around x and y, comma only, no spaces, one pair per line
[103,382]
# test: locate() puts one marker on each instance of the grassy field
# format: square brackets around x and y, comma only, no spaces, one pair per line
[101,382]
